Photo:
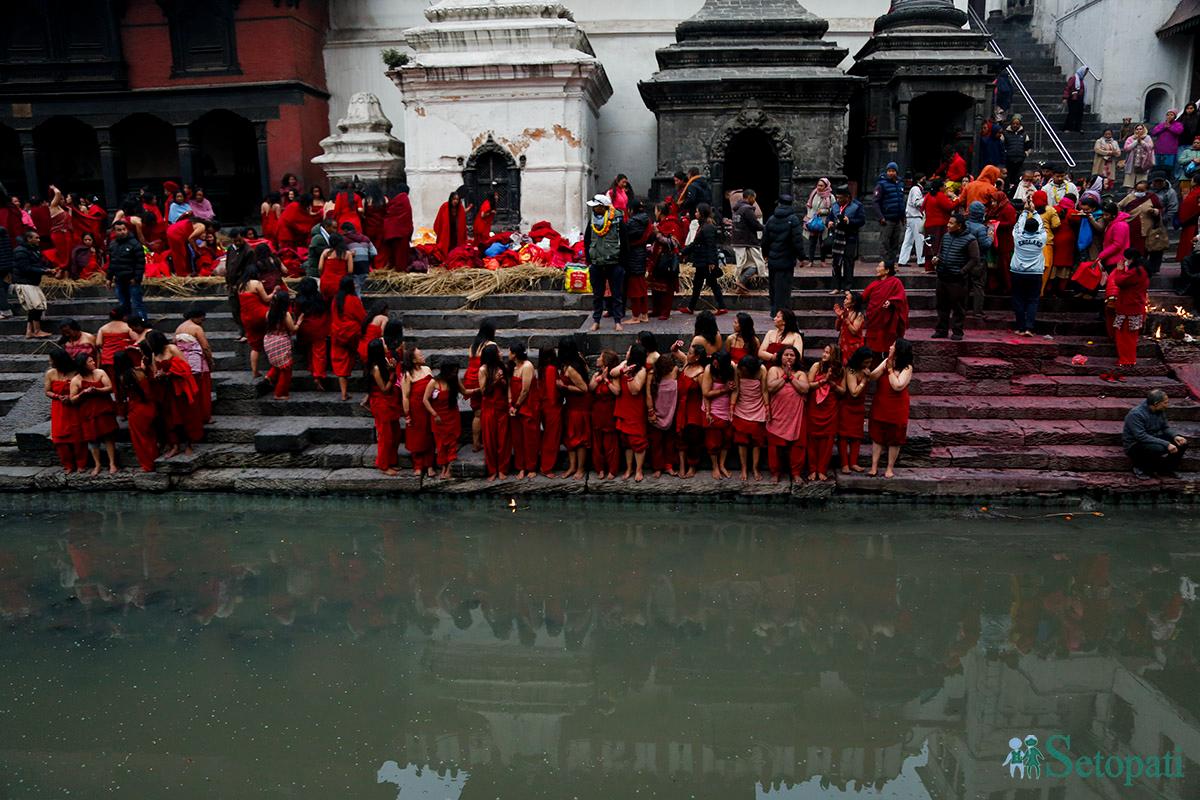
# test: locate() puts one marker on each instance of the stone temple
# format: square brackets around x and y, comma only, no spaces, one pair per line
[752,94]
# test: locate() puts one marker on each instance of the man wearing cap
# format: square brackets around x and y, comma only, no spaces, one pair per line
[604,247]
[889,199]
[1017,145]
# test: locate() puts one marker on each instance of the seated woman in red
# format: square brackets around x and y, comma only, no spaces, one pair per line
[441,403]
[787,385]
[91,393]
[577,424]
[750,414]
[176,391]
[494,378]
[889,409]
[524,400]
[606,449]
[821,414]
[383,398]
[208,254]
[852,410]
[630,411]
[719,380]
[418,424]
[143,411]
[253,304]
[346,319]
[65,431]
[311,312]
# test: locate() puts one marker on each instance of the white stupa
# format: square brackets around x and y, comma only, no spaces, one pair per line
[502,96]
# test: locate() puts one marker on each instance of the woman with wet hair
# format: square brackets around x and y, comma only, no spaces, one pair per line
[135,386]
[418,423]
[744,341]
[787,387]
[821,412]
[91,393]
[383,398]
[524,402]
[494,377]
[441,403]
[577,412]
[889,410]
[750,414]
[852,408]
[606,451]
[485,336]
[719,380]
[689,413]
[784,333]
[176,393]
[66,434]
[346,320]
[630,410]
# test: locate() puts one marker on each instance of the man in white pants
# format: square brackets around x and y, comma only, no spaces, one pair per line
[914,223]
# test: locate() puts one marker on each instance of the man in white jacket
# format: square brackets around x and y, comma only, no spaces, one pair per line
[1026,268]
[914,222]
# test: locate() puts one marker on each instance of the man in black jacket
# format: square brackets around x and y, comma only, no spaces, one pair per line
[29,266]
[126,268]
[958,259]
[782,244]
[237,256]
[1149,442]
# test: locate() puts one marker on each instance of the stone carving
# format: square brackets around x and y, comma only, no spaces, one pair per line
[363,145]
[751,118]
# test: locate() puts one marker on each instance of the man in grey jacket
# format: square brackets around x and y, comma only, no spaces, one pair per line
[1149,442]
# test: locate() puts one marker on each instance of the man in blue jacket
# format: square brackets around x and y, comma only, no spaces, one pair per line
[890,199]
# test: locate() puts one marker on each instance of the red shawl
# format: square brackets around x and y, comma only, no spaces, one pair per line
[372,222]
[448,239]
[885,325]
[90,221]
[398,218]
[345,209]
[346,326]
[296,224]
[483,221]
[182,380]
[1189,212]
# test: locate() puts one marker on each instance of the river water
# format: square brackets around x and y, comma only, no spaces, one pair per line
[236,647]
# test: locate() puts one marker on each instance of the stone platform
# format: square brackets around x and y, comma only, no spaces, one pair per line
[994,416]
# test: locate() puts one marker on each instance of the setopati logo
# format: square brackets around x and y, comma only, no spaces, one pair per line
[1027,761]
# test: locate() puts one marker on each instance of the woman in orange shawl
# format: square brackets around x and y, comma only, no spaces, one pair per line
[450,227]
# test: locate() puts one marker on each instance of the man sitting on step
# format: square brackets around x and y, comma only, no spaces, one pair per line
[1149,442]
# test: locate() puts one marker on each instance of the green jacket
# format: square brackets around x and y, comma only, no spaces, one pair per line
[316,246]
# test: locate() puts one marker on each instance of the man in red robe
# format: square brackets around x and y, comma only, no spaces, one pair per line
[450,227]
[397,230]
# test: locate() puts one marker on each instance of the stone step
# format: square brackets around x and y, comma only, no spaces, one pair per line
[953,383]
[1031,407]
[986,484]
[980,367]
[1062,365]
[1027,432]
[1074,458]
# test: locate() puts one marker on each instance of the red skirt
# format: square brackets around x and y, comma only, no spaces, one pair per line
[888,434]
[97,417]
[749,432]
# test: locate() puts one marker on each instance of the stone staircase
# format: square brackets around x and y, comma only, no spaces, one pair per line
[992,415]
[1034,63]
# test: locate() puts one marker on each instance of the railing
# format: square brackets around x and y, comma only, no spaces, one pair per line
[1044,123]
[1094,94]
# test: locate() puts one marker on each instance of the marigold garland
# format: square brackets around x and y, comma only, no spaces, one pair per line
[608,221]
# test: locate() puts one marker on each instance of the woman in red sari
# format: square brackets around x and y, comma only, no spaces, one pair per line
[336,263]
[87,218]
[1132,284]
[313,312]
[441,402]
[524,408]
[606,453]
[397,231]
[383,398]
[253,303]
[181,233]
[663,280]
[346,318]
[630,411]
[887,309]
[62,233]
[281,327]
[493,384]
[91,393]
[177,391]
[689,413]
[852,410]
[65,431]
[484,217]
[485,336]
[577,425]
[551,410]
[418,423]
[348,207]
[889,409]
[851,324]
[719,381]
[269,214]
[821,413]
[296,222]
[450,227]
[1189,214]
[143,410]
[377,320]
[374,207]
[787,386]
[114,337]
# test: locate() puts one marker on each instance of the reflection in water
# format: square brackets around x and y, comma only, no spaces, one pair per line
[237,647]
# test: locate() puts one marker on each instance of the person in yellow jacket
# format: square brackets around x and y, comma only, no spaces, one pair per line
[1050,223]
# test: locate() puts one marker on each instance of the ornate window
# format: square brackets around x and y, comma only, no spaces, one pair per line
[203,37]
[492,168]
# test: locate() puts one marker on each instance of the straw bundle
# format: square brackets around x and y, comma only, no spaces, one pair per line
[474,283]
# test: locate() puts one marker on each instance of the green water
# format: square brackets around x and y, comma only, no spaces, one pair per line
[217,647]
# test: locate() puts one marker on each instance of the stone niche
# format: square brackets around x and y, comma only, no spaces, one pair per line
[502,96]
[751,93]
[363,147]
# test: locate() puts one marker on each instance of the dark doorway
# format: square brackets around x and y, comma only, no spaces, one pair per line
[12,167]
[226,164]
[491,168]
[68,157]
[934,121]
[751,163]
[146,153]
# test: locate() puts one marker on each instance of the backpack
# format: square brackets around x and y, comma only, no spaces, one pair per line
[606,249]
[1157,239]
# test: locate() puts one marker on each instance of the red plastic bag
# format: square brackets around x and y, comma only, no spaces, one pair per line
[1087,275]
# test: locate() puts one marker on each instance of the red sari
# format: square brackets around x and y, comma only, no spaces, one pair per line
[450,234]
[852,412]
[889,415]
[689,419]
[314,335]
[885,325]
[345,328]
[848,340]
[821,422]
[663,288]
[177,238]
[525,427]
[65,431]
[418,433]
[471,381]
[332,273]
[143,413]
[387,412]
[345,209]
[397,232]
[295,225]
[270,226]
[1189,213]
[552,418]
[372,333]
[178,399]
[484,217]
[577,431]
[497,445]
[447,432]
[631,418]
[97,413]
[605,450]
[253,312]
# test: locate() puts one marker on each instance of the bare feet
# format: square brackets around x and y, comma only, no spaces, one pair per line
[618,327]
[626,475]
[172,451]
[874,473]
[822,477]
[812,476]
[845,470]
[857,468]
[320,387]
[726,472]
[95,471]
[112,469]
[717,474]
[187,451]
[756,475]
[555,475]
[491,478]
[745,476]
[638,477]
[391,471]
[595,327]
[521,475]
[578,476]
[657,473]
[889,474]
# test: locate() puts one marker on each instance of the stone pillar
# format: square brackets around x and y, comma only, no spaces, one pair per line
[108,167]
[187,154]
[901,154]
[264,162]
[979,117]
[29,157]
